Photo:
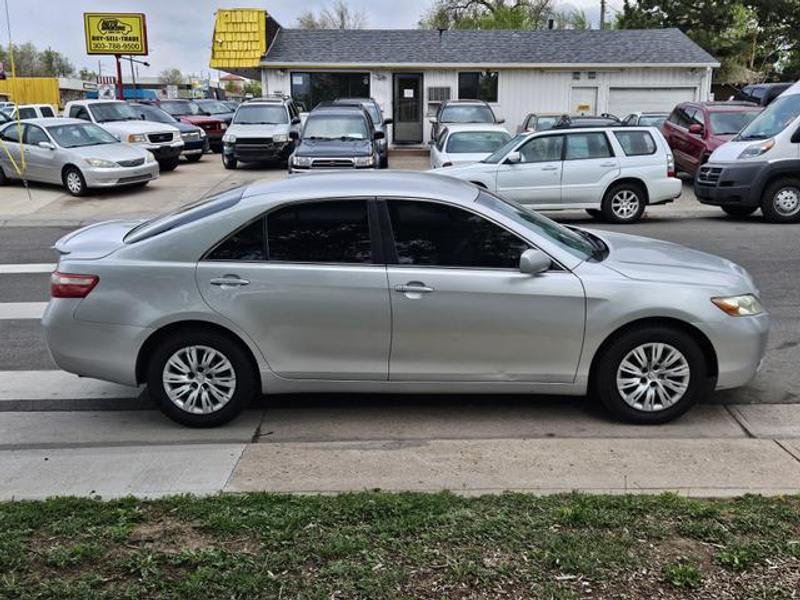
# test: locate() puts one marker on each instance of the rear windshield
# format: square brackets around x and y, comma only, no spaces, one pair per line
[470,113]
[178,109]
[652,120]
[476,142]
[188,213]
[328,127]
[775,118]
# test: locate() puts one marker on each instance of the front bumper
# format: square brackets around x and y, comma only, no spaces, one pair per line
[726,184]
[740,345]
[256,152]
[195,147]
[98,178]
[165,151]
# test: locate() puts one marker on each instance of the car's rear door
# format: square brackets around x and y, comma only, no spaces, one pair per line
[590,166]
[308,285]
[536,179]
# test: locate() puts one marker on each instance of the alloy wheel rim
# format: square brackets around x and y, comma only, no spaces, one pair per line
[74,182]
[653,377]
[199,380]
[625,204]
[787,201]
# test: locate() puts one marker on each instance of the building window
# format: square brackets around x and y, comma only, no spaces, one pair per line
[315,87]
[478,86]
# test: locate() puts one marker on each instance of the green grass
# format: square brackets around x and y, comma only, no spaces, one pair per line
[379,545]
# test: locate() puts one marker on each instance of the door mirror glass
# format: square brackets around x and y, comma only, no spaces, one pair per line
[534,262]
[379,135]
[514,158]
[696,129]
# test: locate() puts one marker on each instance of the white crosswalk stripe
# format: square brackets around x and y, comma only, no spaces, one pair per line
[21,310]
[15,269]
[58,385]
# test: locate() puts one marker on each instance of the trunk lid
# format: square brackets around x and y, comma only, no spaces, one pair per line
[95,241]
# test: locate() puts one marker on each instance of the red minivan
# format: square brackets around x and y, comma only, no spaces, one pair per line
[695,129]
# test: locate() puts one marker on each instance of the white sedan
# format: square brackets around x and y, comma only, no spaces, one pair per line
[461,144]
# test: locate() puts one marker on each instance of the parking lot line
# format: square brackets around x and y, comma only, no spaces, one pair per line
[7,269]
[22,310]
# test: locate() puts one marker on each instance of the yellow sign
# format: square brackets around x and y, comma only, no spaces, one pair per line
[115,33]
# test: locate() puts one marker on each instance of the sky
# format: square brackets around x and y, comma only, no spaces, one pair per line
[179,31]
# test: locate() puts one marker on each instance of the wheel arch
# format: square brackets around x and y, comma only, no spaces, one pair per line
[69,166]
[630,180]
[770,174]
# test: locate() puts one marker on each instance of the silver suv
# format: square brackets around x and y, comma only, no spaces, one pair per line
[260,131]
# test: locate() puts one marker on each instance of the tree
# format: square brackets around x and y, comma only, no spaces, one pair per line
[87,74]
[338,16]
[171,77]
[253,87]
[30,62]
[488,14]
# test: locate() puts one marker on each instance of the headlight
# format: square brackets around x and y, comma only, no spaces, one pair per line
[757,149]
[301,161]
[746,305]
[228,138]
[365,161]
[150,158]
[136,138]
[101,163]
[280,137]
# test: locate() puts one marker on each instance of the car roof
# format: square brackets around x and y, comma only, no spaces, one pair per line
[50,121]
[465,101]
[454,127]
[736,106]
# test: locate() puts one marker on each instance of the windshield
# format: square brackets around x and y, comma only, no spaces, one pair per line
[80,134]
[566,239]
[151,113]
[476,142]
[332,128]
[112,111]
[213,107]
[467,113]
[729,123]
[261,114]
[501,152]
[652,120]
[179,109]
[775,118]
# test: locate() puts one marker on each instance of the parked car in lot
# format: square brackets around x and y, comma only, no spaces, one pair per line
[73,153]
[380,122]
[336,137]
[761,93]
[695,129]
[4,118]
[539,122]
[216,109]
[188,112]
[121,121]
[260,131]
[30,111]
[570,121]
[395,282]
[466,144]
[645,119]
[462,111]
[195,140]
[760,167]
[233,105]
[614,172]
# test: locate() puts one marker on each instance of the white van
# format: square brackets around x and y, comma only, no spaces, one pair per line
[760,167]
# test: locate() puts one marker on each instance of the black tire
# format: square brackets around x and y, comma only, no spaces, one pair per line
[385,161]
[595,213]
[632,200]
[246,375]
[74,182]
[774,205]
[229,162]
[193,158]
[739,211]
[4,179]
[604,379]
[169,164]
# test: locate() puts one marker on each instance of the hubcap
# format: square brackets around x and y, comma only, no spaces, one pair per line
[625,204]
[653,377]
[74,182]
[199,380]
[787,201]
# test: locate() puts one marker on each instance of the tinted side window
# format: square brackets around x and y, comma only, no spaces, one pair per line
[79,112]
[249,243]
[321,232]
[27,113]
[430,234]
[636,143]
[582,146]
[10,134]
[542,149]
[47,111]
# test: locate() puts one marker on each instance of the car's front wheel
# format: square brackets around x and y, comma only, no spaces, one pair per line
[624,203]
[169,164]
[651,375]
[193,158]
[781,201]
[74,181]
[201,379]
[229,162]
[739,211]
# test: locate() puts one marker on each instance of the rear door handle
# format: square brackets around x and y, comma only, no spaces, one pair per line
[229,281]
[413,287]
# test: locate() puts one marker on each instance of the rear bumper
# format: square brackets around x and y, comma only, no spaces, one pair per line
[98,178]
[664,190]
[728,184]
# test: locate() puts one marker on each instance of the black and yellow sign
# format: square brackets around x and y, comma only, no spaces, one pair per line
[115,33]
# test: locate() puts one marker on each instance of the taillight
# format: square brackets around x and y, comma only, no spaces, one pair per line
[70,285]
[670,165]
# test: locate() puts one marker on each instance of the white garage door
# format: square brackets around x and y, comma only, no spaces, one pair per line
[623,101]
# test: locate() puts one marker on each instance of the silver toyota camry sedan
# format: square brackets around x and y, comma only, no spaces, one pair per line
[395,282]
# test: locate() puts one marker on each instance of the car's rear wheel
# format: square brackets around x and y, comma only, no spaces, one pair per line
[651,375]
[624,203]
[229,162]
[74,182]
[739,211]
[201,379]
[169,164]
[4,179]
[781,201]
[193,158]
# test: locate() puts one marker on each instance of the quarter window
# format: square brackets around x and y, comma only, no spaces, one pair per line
[320,232]
[636,143]
[582,146]
[478,86]
[437,235]
[542,149]
[249,243]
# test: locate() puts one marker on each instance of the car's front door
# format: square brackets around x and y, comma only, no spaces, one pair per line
[589,168]
[42,164]
[10,156]
[305,284]
[536,178]
[462,310]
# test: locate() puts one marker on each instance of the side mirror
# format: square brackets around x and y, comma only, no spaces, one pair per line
[378,135]
[46,145]
[796,137]
[514,158]
[500,121]
[295,120]
[293,135]
[388,121]
[534,262]
[434,120]
[696,129]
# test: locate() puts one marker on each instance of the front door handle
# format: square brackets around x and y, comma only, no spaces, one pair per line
[413,287]
[549,168]
[229,281]
[608,164]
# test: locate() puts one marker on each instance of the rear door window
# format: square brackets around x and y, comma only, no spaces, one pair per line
[584,146]
[636,143]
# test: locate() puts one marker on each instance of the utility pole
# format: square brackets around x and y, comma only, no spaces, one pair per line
[602,15]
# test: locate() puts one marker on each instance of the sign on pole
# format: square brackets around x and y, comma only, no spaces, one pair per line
[115,33]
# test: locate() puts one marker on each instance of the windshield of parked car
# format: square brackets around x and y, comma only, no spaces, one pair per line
[180,109]
[466,113]
[652,120]
[501,152]
[152,113]
[576,244]
[78,135]
[213,107]
[107,112]
[475,142]
[775,118]
[329,127]
[261,114]
[728,123]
